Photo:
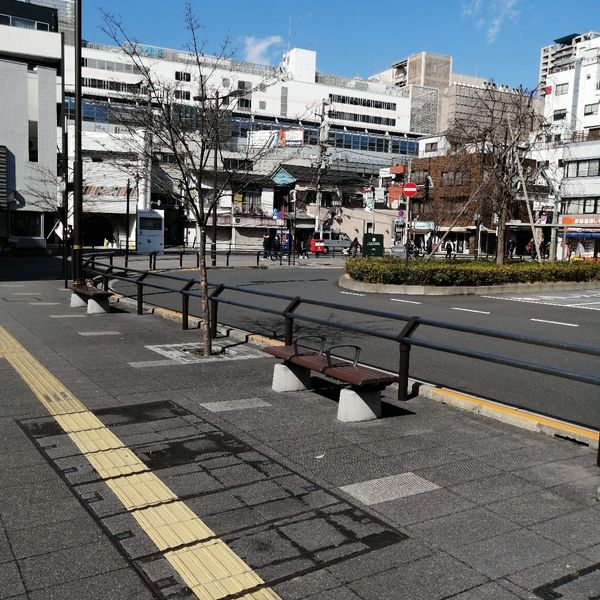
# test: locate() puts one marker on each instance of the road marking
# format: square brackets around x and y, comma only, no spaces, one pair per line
[44,303]
[207,565]
[94,333]
[26,293]
[555,322]
[67,316]
[538,301]
[472,310]
[145,364]
[12,285]
[352,294]
[405,301]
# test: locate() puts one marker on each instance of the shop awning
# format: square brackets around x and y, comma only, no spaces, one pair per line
[581,234]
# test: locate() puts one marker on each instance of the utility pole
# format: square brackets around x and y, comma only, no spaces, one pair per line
[213,243]
[77,164]
[408,215]
[321,162]
[127,224]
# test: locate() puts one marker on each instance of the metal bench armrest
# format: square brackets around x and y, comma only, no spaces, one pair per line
[314,337]
[356,352]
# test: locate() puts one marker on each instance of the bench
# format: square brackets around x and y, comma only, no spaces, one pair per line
[361,401]
[95,299]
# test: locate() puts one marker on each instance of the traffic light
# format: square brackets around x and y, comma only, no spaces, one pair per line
[426,187]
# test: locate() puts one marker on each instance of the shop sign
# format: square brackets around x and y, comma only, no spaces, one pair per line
[586,220]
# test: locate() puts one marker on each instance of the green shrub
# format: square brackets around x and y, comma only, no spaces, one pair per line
[392,270]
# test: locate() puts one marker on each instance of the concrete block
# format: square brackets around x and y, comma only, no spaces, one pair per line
[359,406]
[97,306]
[290,378]
[77,301]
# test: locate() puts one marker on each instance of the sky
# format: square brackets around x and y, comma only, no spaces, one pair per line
[495,39]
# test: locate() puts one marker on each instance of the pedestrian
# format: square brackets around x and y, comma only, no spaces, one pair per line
[303,249]
[354,247]
[429,245]
[529,248]
[266,246]
[448,247]
[512,244]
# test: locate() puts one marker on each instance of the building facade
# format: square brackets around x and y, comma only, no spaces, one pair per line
[30,97]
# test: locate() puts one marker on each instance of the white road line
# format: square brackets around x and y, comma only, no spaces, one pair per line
[406,301]
[555,323]
[94,333]
[67,316]
[26,293]
[44,303]
[535,301]
[9,285]
[481,312]
[352,294]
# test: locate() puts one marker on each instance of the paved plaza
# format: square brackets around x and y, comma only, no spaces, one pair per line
[130,469]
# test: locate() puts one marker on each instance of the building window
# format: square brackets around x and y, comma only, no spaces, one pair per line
[251,201]
[182,76]
[25,224]
[362,102]
[23,23]
[561,114]
[4,20]
[431,147]
[237,164]
[562,88]
[225,82]
[590,109]
[33,141]
[245,85]
[589,207]
[262,105]
[583,168]
[182,95]
[244,104]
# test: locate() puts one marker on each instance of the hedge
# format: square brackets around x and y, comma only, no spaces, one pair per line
[393,270]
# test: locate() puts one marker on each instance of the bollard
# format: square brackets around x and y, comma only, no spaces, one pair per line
[140,297]
[214,310]
[258,258]
[185,308]
[227,258]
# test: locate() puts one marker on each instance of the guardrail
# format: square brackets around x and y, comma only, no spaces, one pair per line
[292,313]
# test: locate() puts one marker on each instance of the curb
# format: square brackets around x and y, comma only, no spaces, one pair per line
[518,417]
[346,282]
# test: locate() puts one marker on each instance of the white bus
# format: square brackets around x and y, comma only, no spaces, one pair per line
[150,231]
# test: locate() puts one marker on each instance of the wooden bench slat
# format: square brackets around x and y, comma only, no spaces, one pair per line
[359,375]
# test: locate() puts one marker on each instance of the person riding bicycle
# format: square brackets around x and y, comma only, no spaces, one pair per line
[354,247]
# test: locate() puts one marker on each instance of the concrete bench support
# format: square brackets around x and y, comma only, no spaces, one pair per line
[97,306]
[77,301]
[290,378]
[355,406]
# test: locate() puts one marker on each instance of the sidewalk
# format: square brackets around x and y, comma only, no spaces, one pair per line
[129,469]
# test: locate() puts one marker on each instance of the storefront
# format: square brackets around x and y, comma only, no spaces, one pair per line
[579,236]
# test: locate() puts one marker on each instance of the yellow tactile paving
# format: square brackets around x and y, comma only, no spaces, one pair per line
[115,463]
[96,440]
[212,570]
[140,491]
[207,565]
[172,525]
[79,422]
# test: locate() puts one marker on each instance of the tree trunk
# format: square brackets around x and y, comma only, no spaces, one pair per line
[501,243]
[205,312]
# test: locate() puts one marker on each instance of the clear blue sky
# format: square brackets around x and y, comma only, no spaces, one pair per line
[497,39]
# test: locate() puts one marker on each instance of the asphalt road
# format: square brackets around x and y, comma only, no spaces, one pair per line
[567,316]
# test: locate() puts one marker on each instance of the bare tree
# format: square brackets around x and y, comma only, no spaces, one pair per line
[192,128]
[503,126]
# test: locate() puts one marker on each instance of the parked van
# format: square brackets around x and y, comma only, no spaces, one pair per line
[333,240]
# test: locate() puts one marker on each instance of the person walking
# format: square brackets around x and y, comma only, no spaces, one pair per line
[266,246]
[276,248]
[303,249]
[448,247]
[512,244]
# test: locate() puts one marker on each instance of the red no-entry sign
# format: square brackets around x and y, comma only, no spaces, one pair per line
[409,190]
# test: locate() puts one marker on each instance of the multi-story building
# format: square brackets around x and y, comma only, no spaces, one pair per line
[30,97]
[571,91]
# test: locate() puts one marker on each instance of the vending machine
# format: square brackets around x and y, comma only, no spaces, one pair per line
[150,231]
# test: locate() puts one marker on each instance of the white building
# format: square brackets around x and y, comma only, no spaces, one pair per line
[30,93]
[571,90]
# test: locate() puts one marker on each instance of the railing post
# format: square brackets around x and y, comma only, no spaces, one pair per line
[214,309]
[227,257]
[289,320]
[181,260]
[403,366]
[197,260]
[110,260]
[185,305]
[258,258]
[155,255]
[140,293]
[150,261]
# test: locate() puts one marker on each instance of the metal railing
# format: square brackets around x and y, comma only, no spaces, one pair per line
[292,313]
